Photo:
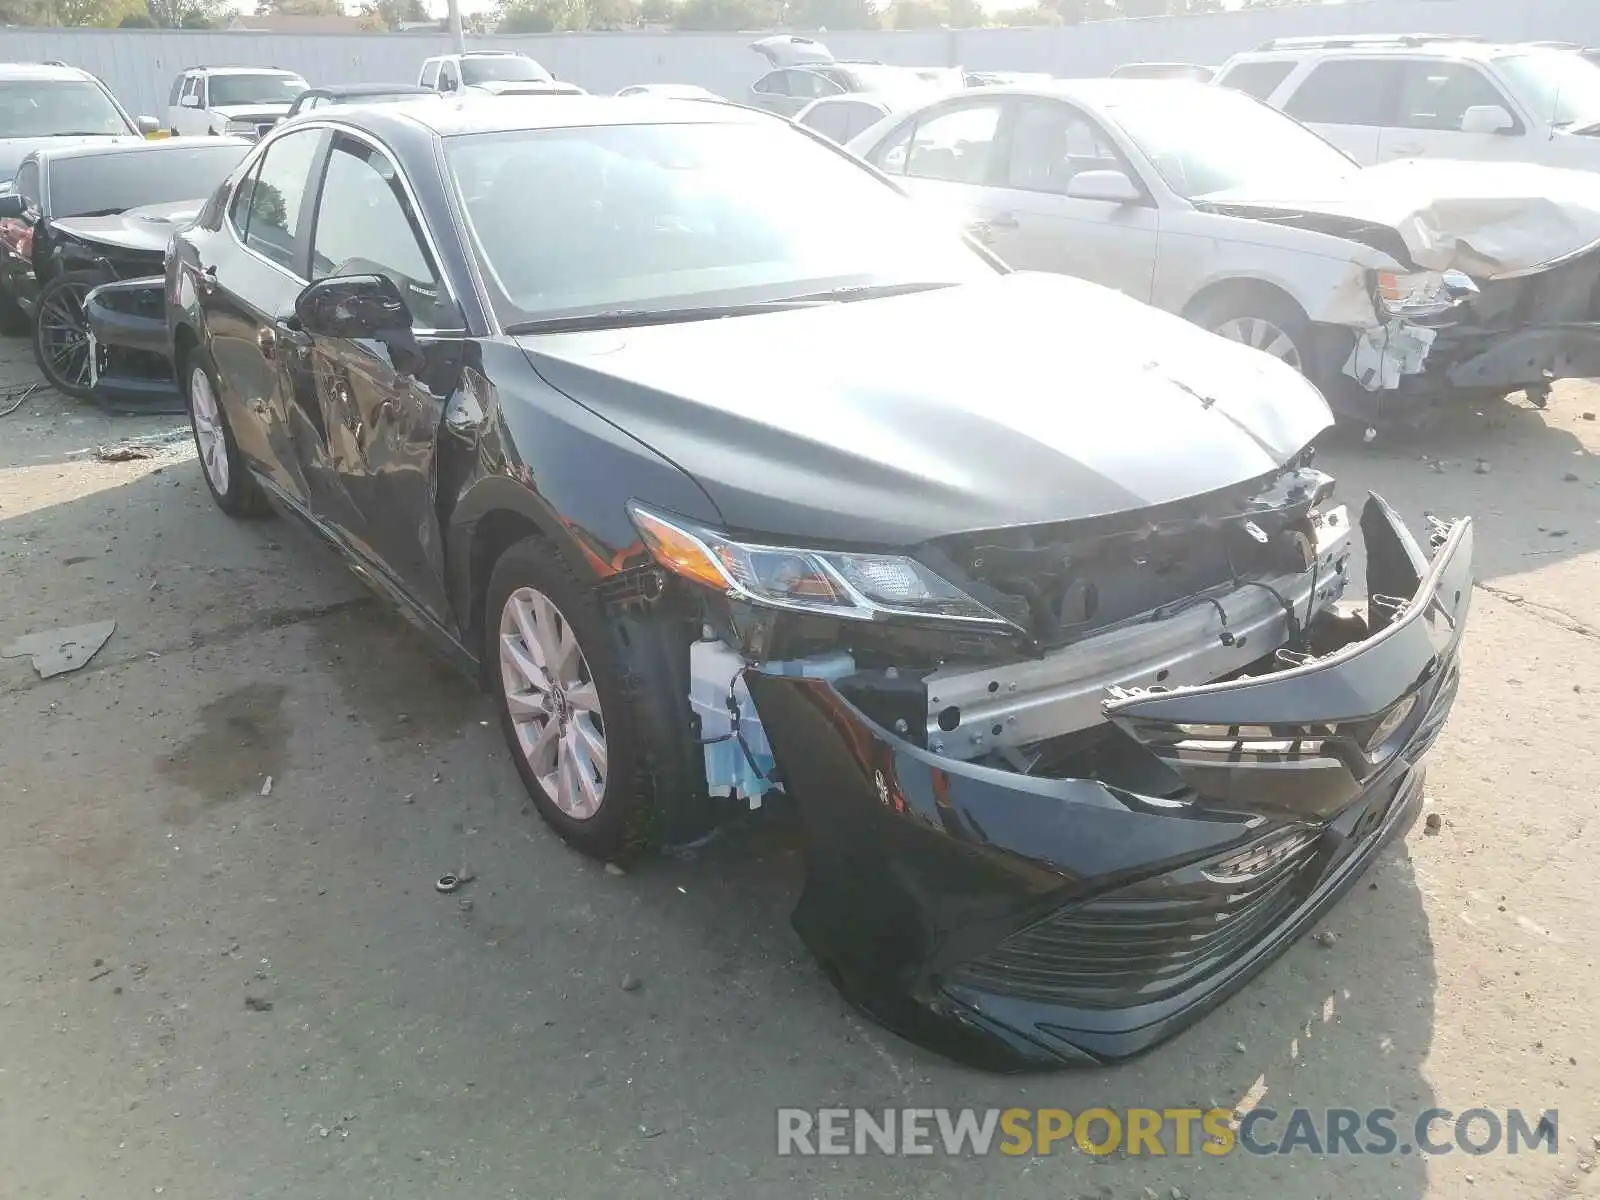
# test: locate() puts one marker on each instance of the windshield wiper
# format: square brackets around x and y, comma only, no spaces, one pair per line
[85,133]
[877,291]
[624,318]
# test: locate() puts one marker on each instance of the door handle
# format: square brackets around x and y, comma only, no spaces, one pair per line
[1408,149]
[1004,220]
[206,280]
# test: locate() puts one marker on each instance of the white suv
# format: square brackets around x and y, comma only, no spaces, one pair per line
[480,72]
[242,101]
[1416,96]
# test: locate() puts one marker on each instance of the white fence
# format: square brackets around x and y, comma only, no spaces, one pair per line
[140,64]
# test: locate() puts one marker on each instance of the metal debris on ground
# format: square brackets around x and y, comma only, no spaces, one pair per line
[151,446]
[1570,477]
[266,788]
[14,398]
[57,651]
[1483,467]
[1433,824]
[1326,938]
[615,869]
[257,1004]
[451,880]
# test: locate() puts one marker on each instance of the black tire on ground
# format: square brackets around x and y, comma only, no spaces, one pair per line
[1266,307]
[242,497]
[60,332]
[620,828]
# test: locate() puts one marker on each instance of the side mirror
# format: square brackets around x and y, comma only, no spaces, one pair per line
[147,125]
[12,205]
[190,101]
[1111,186]
[353,306]
[1486,118]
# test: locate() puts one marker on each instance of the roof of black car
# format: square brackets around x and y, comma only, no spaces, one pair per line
[505,114]
[97,150]
[371,89]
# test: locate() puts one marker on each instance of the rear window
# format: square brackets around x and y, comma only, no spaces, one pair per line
[1258,79]
[112,182]
[1349,91]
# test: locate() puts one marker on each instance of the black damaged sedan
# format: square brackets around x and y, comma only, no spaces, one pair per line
[732,473]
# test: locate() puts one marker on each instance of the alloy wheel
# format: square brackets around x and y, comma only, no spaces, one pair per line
[1262,334]
[554,706]
[64,336]
[210,438]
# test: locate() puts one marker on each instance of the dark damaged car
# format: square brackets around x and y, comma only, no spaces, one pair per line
[734,473]
[81,216]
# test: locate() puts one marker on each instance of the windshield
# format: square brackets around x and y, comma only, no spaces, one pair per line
[53,108]
[871,77]
[254,89]
[1556,86]
[506,68]
[572,221]
[1213,140]
[100,183]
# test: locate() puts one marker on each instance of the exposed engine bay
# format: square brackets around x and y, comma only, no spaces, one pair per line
[1244,582]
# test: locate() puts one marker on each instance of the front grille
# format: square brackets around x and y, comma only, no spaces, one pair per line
[1155,938]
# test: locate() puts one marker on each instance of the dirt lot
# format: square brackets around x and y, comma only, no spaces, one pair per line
[207,991]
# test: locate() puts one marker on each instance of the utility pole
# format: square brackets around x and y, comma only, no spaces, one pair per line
[459,38]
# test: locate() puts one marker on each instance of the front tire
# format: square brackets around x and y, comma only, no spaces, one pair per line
[61,332]
[1262,319]
[229,481]
[566,713]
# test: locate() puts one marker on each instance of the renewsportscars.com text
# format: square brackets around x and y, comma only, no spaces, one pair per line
[1163,1132]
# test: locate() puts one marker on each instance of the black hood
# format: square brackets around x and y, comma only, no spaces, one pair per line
[149,228]
[1026,400]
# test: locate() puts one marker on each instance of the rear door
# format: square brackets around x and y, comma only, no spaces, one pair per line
[949,156]
[1349,101]
[248,278]
[1434,96]
[1039,227]
[381,401]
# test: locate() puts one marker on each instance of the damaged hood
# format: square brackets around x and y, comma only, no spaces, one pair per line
[1487,219]
[1023,400]
[149,228]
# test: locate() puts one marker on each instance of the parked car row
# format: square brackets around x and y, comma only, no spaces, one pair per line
[1018,590]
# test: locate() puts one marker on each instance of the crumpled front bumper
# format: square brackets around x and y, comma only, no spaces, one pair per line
[121,318]
[1521,358]
[1018,922]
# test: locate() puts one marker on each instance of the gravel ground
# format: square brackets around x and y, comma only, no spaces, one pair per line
[207,991]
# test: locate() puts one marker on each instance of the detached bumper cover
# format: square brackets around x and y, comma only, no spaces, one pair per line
[1017,922]
[1523,357]
[128,343]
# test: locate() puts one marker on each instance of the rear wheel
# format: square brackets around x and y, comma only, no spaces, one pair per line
[61,332]
[230,483]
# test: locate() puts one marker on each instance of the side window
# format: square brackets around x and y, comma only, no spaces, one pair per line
[1051,143]
[365,226]
[27,183]
[1436,95]
[239,207]
[430,74]
[191,87]
[1346,91]
[859,116]
[773,83]
[449,80]
[956,145]
[273,225]
[832,121]
[812,83]
[1258,79]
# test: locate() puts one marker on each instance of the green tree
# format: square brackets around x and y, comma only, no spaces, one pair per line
[614,14]
[658,12]
[832,14]
[726,15]
[543,16]
[388,14]
[299,8]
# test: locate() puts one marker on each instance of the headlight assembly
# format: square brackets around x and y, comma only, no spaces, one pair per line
[246,128]
[859,587]
[1422,293]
